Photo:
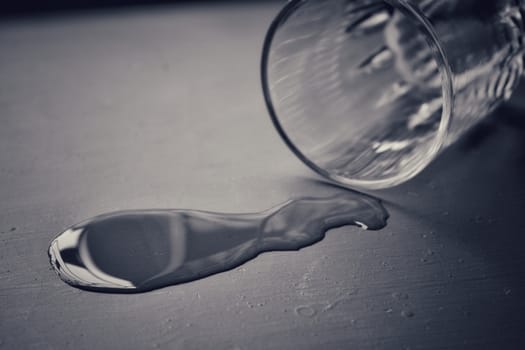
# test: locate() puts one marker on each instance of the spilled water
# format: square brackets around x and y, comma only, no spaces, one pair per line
[136,251]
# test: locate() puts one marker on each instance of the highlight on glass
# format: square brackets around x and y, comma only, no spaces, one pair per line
[368,92]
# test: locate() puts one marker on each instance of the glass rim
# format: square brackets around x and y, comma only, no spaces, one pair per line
[447,88]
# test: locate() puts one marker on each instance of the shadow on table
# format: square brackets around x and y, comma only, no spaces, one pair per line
[473,194]
[471,203]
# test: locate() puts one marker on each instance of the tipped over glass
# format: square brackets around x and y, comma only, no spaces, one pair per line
[368,92]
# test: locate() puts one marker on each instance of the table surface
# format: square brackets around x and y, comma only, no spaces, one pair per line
[162,108]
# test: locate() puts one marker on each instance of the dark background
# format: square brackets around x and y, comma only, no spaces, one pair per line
[34,7]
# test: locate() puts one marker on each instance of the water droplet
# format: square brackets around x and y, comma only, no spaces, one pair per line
[367,22]
[399,296]
[352,291]
[305,311]
[407,313]
[375,61]
[360,224]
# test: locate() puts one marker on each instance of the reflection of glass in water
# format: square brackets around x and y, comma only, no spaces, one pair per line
[358,87]
[135,251]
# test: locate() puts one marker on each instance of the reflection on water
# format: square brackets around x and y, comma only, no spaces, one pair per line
[135,251]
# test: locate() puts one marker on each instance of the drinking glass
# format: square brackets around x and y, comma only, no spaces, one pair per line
[368,92]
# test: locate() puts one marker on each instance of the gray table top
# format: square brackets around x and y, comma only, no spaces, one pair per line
[162,108]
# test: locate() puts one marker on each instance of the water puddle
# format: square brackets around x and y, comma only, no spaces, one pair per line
[137,251]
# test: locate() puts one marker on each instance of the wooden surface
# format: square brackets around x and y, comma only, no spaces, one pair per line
[162,108]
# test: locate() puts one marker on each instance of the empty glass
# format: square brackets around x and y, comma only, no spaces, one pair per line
[367,92]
